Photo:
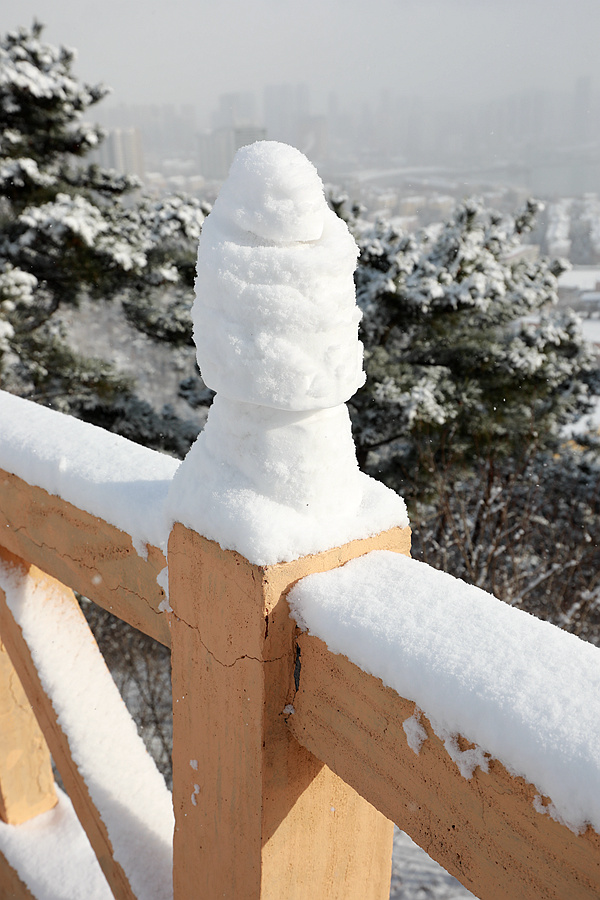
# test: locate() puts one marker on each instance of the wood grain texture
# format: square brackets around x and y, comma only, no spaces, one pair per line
[26,779]
[257,815]
[485,830]
[56,738]
[85,553]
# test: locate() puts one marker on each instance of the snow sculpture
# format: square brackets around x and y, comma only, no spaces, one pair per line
[274,473]
[275,317]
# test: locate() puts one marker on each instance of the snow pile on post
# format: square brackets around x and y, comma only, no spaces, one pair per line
[522,690]
[274,473]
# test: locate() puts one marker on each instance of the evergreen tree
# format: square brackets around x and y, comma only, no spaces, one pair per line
[70,229]
[473,374]
[465,355]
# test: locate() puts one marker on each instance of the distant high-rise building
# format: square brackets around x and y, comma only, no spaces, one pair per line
[286,109]
[234,110]
[313,137]
[583,110]
[216,149]
[168,131]
[247,134]
[122,150]
[215,152]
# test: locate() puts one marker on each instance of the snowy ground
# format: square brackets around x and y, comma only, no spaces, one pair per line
[415,876]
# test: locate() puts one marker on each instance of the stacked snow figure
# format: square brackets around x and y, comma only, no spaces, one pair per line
[274,473]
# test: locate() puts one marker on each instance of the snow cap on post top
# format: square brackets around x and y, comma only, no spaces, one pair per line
[273,192]
[275,316]
[274,474]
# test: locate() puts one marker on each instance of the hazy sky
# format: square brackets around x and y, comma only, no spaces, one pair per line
[190,51]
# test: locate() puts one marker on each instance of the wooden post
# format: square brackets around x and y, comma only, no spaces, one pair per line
[257,816]
[26,779]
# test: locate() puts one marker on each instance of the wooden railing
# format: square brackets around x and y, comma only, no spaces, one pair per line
[290,763]
[267,804]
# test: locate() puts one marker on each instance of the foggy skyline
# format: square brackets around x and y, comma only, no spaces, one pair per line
[190,53]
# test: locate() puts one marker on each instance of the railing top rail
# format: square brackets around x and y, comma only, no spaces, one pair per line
[101,473]
[520,689]
[86,553]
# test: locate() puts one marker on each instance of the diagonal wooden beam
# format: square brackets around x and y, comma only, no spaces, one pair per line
[11,886]
[85,553]
[26,779]
[58,742]
[92,793]
[484,830]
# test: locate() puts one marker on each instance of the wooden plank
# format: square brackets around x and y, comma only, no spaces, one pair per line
[257,816]
[85,553]
[26,779]
[11,886]
[55,736]
[485,830]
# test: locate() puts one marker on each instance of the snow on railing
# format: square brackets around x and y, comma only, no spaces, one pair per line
[520,689]
[104,474]
[412,697]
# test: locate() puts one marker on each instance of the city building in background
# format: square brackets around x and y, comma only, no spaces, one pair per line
[122,150]
[402,157]
[216,149]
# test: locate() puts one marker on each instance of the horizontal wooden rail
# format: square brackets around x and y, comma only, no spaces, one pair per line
[85,553]
[354,724]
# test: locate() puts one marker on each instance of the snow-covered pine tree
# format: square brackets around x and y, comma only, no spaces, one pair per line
[69,229]
[472,375]
[465,353]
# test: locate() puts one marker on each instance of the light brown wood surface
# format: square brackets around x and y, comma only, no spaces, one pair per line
[485,830]
[257,815]
[85,553]
[26,779]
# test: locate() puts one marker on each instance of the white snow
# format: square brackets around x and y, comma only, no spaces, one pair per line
[590,422]
[591,330]
[274,473]
[583,278]
[64,214]
[275,316]
[53,857]
[102,473]
[415,732]
[520,689]
[127,789]
[162,579]
[275,485]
